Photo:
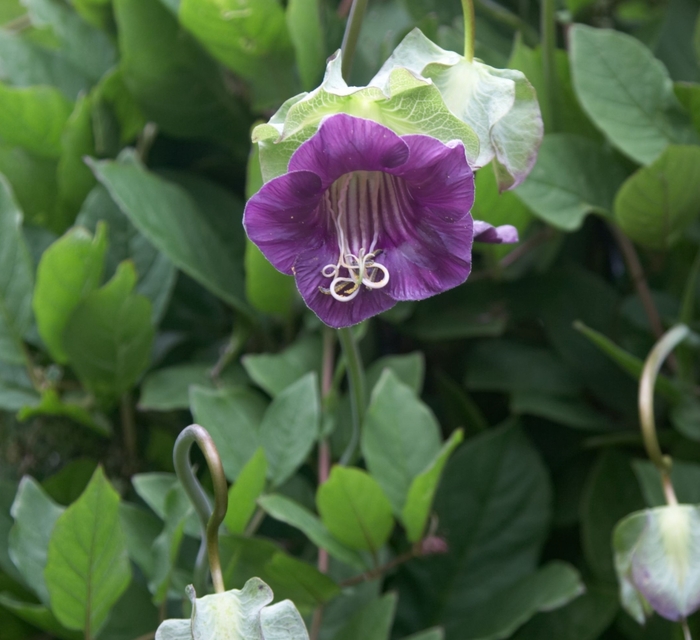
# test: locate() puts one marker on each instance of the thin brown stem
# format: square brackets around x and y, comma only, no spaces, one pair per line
[414,552]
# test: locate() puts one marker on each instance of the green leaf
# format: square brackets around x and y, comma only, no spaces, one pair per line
[244,494]
[108,337]
[586,618]
[233,418]
[189,238]
[35,515]
[275,372]
[290,428]
[16,279]
[306,33]
[237,614]
[549,588]
[16,389]
[69,270]
[156,274]
[571,411]
[286,510]
[177,85]
[169,388]
[251,40]
[75,180]
[89,49]
[611,493]
[34,118]
[355,510]
[408,368]
[626,92]
[88,567]
[400,438]
[421,492]
[431,634]
[685,477]
[372,622]
[689,96]
[38,616]
[66,485]
[494,506]
[500,105]
[573,177]
[657,203]
[51,404]
[97,12]
[141,528]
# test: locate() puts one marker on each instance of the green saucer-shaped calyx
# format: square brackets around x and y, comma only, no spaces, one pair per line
[237,615]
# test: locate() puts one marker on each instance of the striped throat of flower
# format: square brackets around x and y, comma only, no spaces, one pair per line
[364,207]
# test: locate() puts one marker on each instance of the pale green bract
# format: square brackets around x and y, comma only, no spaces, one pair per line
[401,100]
[657,559]
[500,105]
[237,615]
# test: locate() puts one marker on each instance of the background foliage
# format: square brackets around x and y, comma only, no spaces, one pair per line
[131,303]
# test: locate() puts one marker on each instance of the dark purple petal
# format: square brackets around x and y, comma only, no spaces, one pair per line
[334,313]
[485,232]
[280,218]
[343,144]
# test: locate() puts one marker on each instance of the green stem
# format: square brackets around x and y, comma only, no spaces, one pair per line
[662,349]
[468,11]
[239,335]
[356,380]
[352,34]
[549,68]
[210,519]
[686,630]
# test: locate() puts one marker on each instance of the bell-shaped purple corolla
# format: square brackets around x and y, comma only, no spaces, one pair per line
[365,218]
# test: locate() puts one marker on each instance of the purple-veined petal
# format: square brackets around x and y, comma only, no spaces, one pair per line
[334,313]
[280,218]
[344,144]
[485,232]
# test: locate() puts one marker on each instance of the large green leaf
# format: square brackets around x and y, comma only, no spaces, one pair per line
[88,567]
[354,509]
[34,118]
[286,510]
[657,203]
[244,494]
[69,270]
[38,616]
[250,39]
[290,428]
[35,515]
[573,177]
[306,32]
[494,506]
[626,92]
[16,389]
[156,274]
[176,84]
[372,622]
[108,337]
[16,278]
[232,417]
[184,228]
[408,368]
[400,438]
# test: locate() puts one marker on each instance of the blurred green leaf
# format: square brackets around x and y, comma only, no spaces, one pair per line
[35,515]
[571,411]
[244,493]
[355,509]
[290,427]
[657,203]
[573,177]
[626,92]
[88,567]
[97,12]
[108,337]
[306,33]
[51,404]
[372,622]
[250,39]
[286,510]
[421,492]
[685,477]
[431,634]
[233,418]
[689,96]
[190,239]
[38,616]
[175,83]
[69,270]
[408,368]
[16,279]
[66,485]
[611,493]
[400,438]
[141,528]
[16,389]
[275,372]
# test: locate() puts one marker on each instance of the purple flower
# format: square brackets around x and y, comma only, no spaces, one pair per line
[365,218]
